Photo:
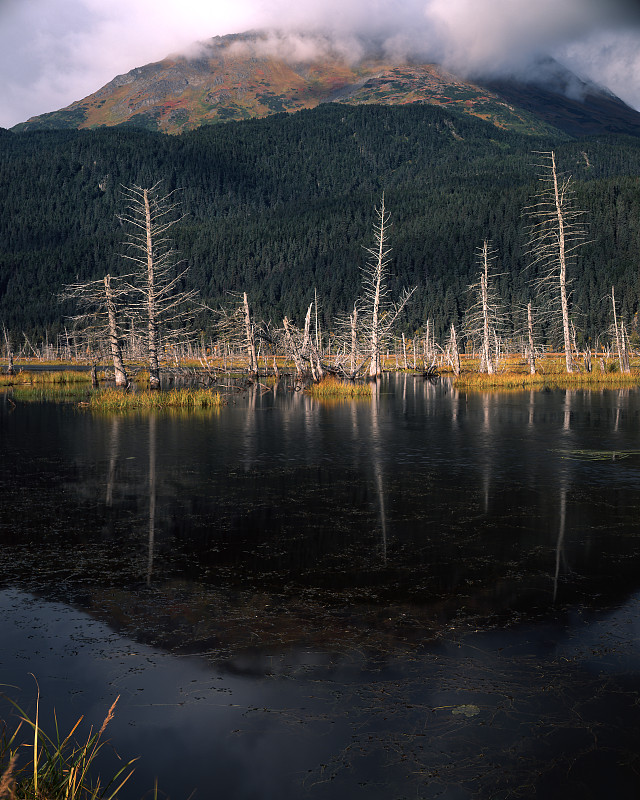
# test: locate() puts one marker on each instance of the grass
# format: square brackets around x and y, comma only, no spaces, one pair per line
[117,400]
[58,768]
[550,374]
[47,392]
[333,387]
[62,377]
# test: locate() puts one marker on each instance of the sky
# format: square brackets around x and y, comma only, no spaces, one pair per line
[53,52]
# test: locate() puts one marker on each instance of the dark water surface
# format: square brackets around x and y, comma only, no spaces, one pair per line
[425,594]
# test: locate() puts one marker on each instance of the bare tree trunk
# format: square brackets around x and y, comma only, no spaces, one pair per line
[375,366]
[315,298]
[306,344]
[484,277]
[455,355]
[152,325]
[114,340]
[563,267]
[251,342]
[297,359]
[427,345]
[625,350]
[532,350]
[615,327]
[353,319]
[623,357]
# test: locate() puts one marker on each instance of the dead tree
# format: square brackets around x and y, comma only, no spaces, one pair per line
[352,348]
[102,302]
[620,338]
[353,341]
[379,313]
[237,330]
[250,337]
[531,350]
[301,347]
[556,232]
[292,346]
[451,352]
[485,317]
[161,306]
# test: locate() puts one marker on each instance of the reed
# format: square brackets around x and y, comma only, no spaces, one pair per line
[59,768]
[334,387]
[56,377]
[116,400]
[551,379]
[39,393]
[142,376]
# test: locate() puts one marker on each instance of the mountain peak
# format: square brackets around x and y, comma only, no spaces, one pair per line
[258,73]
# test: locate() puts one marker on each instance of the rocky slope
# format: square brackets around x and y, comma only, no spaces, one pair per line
[247,76]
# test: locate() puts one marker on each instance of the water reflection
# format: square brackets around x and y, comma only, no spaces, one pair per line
[113,459]
[331,557]
[152,493]
[376,458]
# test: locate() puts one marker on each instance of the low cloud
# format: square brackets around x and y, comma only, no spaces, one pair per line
[55,51]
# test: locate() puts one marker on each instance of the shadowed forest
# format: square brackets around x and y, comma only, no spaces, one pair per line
[282,208]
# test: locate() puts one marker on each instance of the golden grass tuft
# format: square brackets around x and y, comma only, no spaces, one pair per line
[117,400]
[550,380]
[331,387]
[36,378]
[58,768]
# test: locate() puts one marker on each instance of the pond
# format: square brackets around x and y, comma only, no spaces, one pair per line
[422,594]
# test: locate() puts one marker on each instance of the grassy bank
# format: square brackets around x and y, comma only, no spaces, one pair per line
[579,380]
[550,374]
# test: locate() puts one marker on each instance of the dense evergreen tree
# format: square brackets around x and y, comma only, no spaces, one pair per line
[282,206]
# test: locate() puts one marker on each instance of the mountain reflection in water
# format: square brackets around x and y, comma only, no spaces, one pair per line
[409,595]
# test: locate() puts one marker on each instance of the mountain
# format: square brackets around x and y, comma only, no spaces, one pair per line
[257,74]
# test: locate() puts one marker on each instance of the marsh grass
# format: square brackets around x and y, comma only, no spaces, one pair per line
[55,377]
[551,374]
[59,768]
[117,400]
[553,380]
[331,387]
[142,376]
[48,392]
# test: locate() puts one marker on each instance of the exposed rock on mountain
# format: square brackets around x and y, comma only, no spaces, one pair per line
[246,76]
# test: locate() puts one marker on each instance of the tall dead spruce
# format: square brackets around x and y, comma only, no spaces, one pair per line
[377,312]
[485,318]
[160,305]
[555,233]
[102,303]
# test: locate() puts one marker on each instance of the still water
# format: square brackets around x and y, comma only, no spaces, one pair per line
[423,594]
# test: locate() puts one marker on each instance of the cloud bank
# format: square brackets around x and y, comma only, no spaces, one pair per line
[55,51]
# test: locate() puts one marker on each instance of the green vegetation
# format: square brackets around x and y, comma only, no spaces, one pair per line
[59,768]
[117,400]
[61,377]
[333,387]
[282,206]
[550,374]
